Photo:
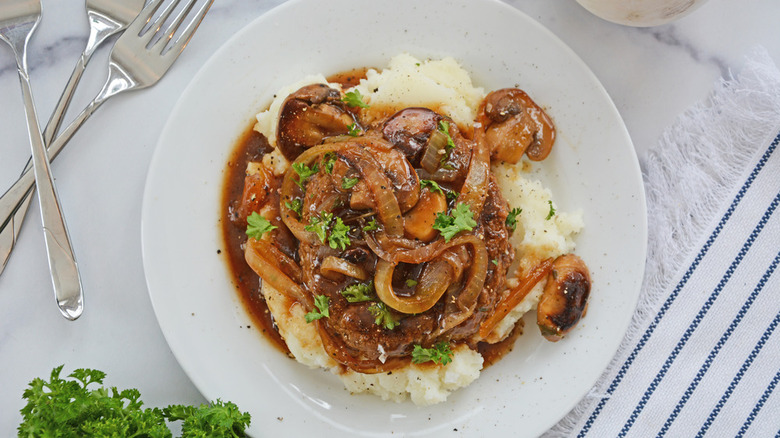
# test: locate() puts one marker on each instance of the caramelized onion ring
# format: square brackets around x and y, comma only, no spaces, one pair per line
[332,264]
[433,283]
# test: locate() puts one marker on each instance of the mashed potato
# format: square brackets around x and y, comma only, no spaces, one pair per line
[442,84]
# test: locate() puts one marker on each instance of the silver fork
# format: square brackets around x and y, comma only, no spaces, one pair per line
[106,18]
[132,66]
[18,20]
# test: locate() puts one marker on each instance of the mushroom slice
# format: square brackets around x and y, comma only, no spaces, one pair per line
[409,130]
[517,125]
[564,300]
[310,115]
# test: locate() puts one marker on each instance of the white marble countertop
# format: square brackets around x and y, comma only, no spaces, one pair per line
[652,74]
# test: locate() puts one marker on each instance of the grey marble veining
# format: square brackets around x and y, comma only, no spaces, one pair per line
[651,74]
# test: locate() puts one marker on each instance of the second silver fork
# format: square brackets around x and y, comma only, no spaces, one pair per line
[106,19]
[132,66]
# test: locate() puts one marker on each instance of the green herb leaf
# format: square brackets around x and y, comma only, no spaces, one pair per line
[444,128]
[347,183]
[552,211]
[327,162]
[461,219]
[338,235]
[433,186]
[359,292]
[511,218]
[322,302]
[383,316]
[319,225]
[354,98]
[371,225]
[70,408]
[354,130]
[257,226]
[441,353]
[304,172]
[494,261]
[296,205]
[411,283]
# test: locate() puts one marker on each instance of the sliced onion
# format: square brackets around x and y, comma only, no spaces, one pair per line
[261,257]
[515,296]
[462,306]
[432,284]
[434,151]
[333,264]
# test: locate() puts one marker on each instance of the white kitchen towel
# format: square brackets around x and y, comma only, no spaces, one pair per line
[702,356]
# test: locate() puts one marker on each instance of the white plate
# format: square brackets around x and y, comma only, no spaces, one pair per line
[593,167]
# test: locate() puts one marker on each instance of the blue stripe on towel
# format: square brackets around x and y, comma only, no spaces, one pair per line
[738,377]
[721,342]
[699,316]
[759,405]
[665,307]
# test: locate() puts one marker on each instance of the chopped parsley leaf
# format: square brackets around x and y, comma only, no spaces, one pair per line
[359,292]
[354,130]
[354,98]
[411,283]
[327,162]
[338,235]
[258,226]
[441,353]
[296,205]
[383,316]
[444,128]
[511,218]
[461,219]
[371,225]
[304,172]
[552,211]
[322,302]
[347,183]
[433,186]
[319,225]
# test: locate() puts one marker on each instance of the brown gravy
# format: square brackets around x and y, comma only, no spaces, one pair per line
[251,146]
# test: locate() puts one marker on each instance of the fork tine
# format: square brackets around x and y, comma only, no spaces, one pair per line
[163,41]
[152,31]
[181,42]
[143,18]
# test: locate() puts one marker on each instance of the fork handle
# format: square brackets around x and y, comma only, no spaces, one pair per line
[62,261]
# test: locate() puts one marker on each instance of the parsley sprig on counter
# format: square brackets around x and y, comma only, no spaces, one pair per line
[73,407]
[461,219]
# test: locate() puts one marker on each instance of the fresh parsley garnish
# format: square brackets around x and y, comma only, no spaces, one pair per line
[354,98]
[411,283]
[433,186]
[444,128]
[552,211]
[72,406]
[371,225]
[347,183]
[359,292]
[257,226]
[461,219]
[354,130]
[511,218]
[296,205]
[304,172]
[494,261]
[441,353]
[321,302]
[338,235]
[383,316]
[327,162]
[319,225]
